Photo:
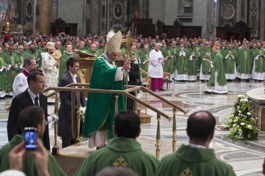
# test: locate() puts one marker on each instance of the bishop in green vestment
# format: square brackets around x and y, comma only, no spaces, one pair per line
[244,62]
[230,62]
[196,158]
[29,117]
[258,69]
[65,56]
[100,109]
[2,75]
[171,56]
[29,163]
[122,151]
[217,82]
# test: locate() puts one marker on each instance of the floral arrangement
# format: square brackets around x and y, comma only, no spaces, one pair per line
[242,126]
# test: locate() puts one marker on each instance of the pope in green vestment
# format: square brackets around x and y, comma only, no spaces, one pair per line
[120,152]
[29,163]
[189,160]
[100,109]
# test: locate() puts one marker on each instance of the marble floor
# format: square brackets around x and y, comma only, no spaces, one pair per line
[246,157]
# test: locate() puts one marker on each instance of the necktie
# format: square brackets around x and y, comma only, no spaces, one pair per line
[36,101]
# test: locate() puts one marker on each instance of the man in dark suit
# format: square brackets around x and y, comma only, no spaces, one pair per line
[65,111]
[134,79]
[31,96]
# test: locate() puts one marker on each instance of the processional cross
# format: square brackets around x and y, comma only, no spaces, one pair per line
[128,40]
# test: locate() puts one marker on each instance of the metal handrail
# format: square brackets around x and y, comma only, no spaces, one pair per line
[123,92]
[74,88]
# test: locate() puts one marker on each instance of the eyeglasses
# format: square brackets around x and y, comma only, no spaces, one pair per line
[40,82]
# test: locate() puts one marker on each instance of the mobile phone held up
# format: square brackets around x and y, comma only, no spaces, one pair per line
[30,138]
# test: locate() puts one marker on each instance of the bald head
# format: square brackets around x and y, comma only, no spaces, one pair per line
[157,46]
[200,125]
[116,171]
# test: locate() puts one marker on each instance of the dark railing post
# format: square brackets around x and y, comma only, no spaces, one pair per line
[174,131]
[158,137]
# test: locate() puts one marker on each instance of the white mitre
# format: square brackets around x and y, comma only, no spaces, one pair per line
[110,34]
[114,43]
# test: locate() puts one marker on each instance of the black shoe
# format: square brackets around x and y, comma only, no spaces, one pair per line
[162,90]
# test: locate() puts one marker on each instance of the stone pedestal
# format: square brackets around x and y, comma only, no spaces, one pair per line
[257,96]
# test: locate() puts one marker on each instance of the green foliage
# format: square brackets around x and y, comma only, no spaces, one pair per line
[241,124]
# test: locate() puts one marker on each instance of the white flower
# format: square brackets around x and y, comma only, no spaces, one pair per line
[248,113]
[234,125]
[240,96]
[249,127]
[242,123]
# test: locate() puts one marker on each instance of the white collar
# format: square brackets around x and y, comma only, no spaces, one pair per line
[196,146]
[32,95]
[73,75]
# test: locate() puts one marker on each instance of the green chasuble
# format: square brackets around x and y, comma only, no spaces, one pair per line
[93,53]
[11,72]
[206,56]
[39,58]
[100,50]
[19,59]
[192,65]
[182,61]
[63,60]
[29,163]
[218,66]
[244,61]
[258,56]
[120,152]
[229,60]
[169,65]
[2,74]
[144,60]
[100,109]
[193,161]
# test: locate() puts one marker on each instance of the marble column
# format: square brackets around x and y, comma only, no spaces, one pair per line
[44,19]
[262,20]
[238,11]
[94,16]
[141,9]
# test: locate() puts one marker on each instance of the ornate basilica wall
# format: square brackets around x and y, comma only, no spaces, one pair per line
[99,16]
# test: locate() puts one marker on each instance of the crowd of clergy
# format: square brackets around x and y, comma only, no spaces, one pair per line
[186,59]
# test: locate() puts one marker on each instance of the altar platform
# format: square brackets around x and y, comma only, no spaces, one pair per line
[257,96]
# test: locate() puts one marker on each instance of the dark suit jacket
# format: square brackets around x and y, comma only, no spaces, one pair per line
[20,102]
[134,75]
[65,125]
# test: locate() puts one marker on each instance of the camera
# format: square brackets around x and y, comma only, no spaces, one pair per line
[30,138]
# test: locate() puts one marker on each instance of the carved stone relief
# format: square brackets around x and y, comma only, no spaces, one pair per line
[254,12]
[117,15]
[227,11]
[29,14]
